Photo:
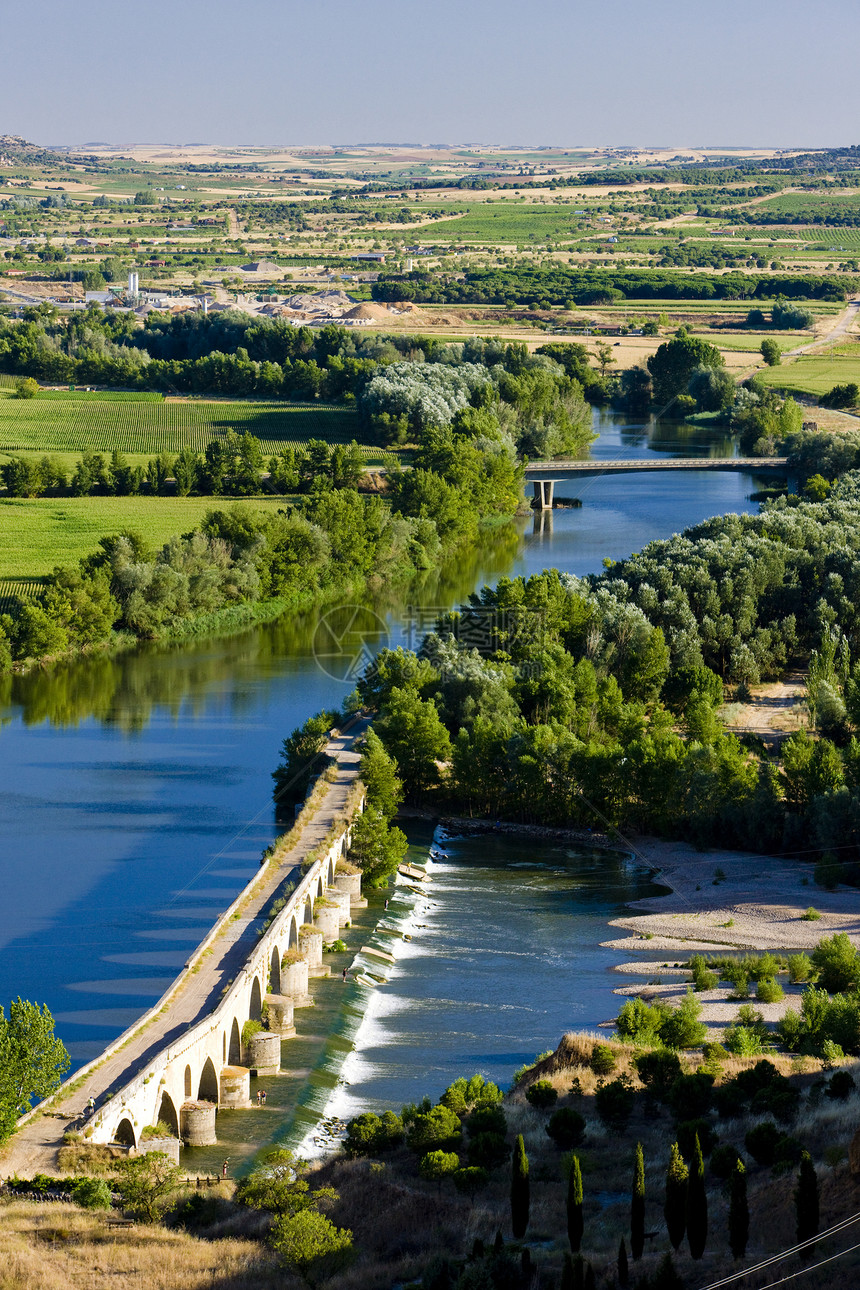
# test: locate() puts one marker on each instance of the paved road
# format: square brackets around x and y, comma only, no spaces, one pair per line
[843,324]
[34,1147]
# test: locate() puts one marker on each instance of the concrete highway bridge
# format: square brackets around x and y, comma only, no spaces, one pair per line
[544,475]
[191,1056]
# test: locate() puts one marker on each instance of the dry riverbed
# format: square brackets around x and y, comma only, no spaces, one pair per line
[720,902]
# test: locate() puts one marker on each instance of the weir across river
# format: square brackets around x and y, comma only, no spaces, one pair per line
[192,1054]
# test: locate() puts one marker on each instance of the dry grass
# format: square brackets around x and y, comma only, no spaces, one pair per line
[60,1247]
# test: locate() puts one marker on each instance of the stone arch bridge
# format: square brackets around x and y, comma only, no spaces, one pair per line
[209,1066]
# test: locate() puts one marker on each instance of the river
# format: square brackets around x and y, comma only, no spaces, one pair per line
[136,803]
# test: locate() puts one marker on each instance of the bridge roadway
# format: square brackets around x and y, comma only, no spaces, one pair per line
[175,1040]
[544,475]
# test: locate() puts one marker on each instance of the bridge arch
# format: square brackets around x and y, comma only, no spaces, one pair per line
[207,1090]
[167,1110]
[321,885]
[234,1055]
[294,935]
[124,1133]
[187,1081]
[255,1007]
[275,972]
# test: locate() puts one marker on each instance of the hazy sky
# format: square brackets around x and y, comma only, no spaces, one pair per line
[557,72]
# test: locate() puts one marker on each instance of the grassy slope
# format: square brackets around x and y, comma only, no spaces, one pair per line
[38,533]
[814,373]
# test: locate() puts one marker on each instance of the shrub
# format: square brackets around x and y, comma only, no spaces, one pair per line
[689,1130]
[780,1099]
[691,1096]
[799,968]
[702,978]
[91,1193]
[769,990]
[837,963]
[614,1103]
[742,1042]
[435,1166]
[435,1130]
[487,1119]
[488,1150]
[465,1094]
[840,1086]
[566,1127]
[811,916]
[713,1057]
[541,1095]
[640,1022]
[761,1142]
[470,1181]
[603,1059]
[368,1134]
[831,1052]
[658,1071]
[681,1028]
[250,1029]
[723,1160]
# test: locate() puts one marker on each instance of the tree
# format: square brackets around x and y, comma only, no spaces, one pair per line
[280,1186]
[32,1060]
[436,1129]
[378,772]
[302,759]
[806,1201]
[26,388]
[519,1189]
[771,352]
[414,735]
[739,1213]
[470,1180]
[637,1205]
[675,1206]
[311,1244]
[574,1206]
[377,848]
[436,1166]
[605,357]
[146,1184]
[566,1127]
[623,1265]
[674,363]
[838,963]
[697,1204]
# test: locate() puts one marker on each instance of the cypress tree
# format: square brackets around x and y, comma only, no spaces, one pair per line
[623,1267]
[574,1206]
[739,1213]
[637,1207]
[519,1189]
[697,1204]
[675,1208]
[806,1202]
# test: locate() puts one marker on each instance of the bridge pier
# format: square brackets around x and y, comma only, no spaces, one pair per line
[544,490]
[280,1008]
[343,900]
[351,882]
[311,947]
[234,1087]
[198,1123]
[295,970]
[265,1055]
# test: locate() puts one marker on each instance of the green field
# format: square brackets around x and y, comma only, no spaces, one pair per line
[506,221]
[38,533]
[814,373]
[144,426]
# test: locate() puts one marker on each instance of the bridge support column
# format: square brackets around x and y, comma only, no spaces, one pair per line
[265,1056]
[544,490]
[169,1146]
[351,882]
[343,901]
[327,920]
[295,970]
[197,1120]
[234,1087]
[280,1009]
[310,946]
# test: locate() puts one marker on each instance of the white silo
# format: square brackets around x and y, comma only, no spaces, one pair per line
[133,285]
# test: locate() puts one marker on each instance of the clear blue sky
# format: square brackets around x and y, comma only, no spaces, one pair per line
[557,72]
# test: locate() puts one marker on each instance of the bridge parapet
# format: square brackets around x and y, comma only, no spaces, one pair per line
[210,1063]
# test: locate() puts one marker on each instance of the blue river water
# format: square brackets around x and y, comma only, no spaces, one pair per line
[136,803]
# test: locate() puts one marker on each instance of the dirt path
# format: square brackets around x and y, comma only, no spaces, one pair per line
[232,224]
[841,324]
[34,1146]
